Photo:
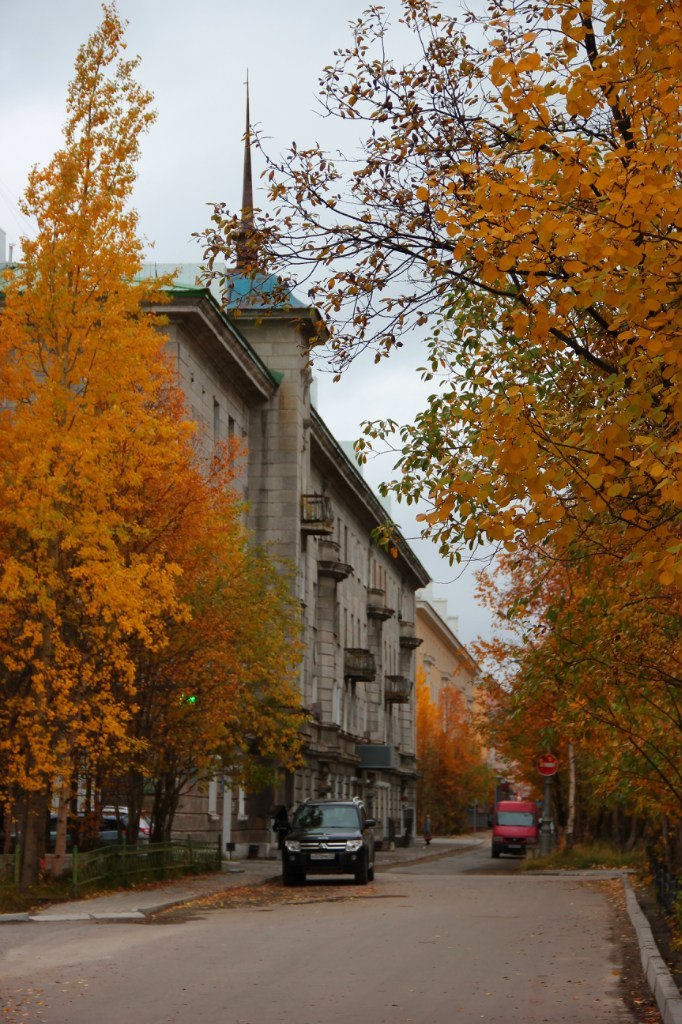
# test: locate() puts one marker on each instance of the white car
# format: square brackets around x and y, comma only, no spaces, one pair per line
[121,814]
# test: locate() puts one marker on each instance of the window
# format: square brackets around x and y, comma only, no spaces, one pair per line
[519,819]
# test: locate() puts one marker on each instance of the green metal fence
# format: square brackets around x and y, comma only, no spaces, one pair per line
[121,865]
[9,867]
[115,866]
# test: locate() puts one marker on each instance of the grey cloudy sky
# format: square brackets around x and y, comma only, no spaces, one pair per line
[194,59]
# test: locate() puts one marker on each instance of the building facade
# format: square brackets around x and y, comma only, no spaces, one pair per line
[442,657]
[248,376]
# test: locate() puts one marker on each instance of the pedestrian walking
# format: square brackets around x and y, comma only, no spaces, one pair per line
[280,823]
[427,830]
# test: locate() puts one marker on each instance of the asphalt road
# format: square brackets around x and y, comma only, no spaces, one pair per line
[464,939]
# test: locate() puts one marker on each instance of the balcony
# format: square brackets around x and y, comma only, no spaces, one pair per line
[376,756]
[376,605]
[317,516]
[329,563]
[359,665]
[408,640]
[397,690]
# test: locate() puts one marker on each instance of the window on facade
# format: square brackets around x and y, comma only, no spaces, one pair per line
[241,803]
[216,420]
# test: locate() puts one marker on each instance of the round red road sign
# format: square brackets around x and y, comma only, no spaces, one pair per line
[548,764]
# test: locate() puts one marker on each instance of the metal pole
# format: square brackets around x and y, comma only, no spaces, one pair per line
[546,828]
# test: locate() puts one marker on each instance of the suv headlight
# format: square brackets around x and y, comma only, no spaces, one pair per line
[292,845]
[352,845]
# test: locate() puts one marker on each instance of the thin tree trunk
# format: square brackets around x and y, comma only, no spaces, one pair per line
[34,827]
[60,841]
[570,820]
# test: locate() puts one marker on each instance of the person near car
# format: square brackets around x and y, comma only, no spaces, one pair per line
[280,823]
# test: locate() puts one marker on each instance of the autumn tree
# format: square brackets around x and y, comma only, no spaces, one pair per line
[517,189]
[452,772]
[588,666]
[82,378]
[117,545]
[222,695]
[517,192]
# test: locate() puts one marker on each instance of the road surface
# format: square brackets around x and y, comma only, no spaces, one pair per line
[462,939]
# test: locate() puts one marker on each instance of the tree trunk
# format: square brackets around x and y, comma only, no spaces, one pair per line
[60,842]
[33,836]
[570,818]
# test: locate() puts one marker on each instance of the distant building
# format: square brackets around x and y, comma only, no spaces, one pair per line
[442,656]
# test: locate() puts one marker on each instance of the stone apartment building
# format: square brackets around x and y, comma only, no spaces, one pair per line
[249,377]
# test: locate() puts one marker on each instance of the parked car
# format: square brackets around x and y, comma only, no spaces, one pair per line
[81,832]
[121,814]
[329,837]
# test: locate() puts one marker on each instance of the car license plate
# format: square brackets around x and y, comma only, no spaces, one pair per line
[322,856]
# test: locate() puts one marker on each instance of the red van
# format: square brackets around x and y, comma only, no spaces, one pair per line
[515,826]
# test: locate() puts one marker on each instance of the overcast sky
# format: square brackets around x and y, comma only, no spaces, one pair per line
[194,59]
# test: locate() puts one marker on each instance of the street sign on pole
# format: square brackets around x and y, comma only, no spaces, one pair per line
[548,764]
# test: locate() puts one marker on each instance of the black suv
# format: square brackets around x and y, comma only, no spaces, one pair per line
[329,837]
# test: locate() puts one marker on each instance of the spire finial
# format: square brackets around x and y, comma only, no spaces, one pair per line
[245,249]
[247,188]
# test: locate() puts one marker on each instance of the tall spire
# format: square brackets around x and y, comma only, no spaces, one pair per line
[245,247]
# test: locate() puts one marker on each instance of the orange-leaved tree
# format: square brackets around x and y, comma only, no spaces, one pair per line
[518,191]
[519,185]
[113,536]
[452,772]
[222,696]
[82,381]
[589,661]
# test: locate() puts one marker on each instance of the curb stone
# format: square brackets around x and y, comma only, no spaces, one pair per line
[659,978]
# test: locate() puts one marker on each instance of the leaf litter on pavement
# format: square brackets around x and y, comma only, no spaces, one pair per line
[271,894]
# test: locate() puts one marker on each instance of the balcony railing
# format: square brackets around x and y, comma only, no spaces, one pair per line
[359,665]
[408,639]
[376,604]
[317,515]
[397,689]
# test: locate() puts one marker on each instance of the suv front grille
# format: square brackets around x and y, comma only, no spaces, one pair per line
[325,844]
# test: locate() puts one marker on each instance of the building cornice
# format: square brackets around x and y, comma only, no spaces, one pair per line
[330,456]
[199,312]
[440,628]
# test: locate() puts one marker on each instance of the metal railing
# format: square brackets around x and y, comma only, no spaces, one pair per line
[123,865]
[359,664]
[667,884]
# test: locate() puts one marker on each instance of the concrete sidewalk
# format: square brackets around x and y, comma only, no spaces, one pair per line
[137,904]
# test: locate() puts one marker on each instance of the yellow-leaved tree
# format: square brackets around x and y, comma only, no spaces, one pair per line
[518,193]
[520,185]
[116,543]
[453,773]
